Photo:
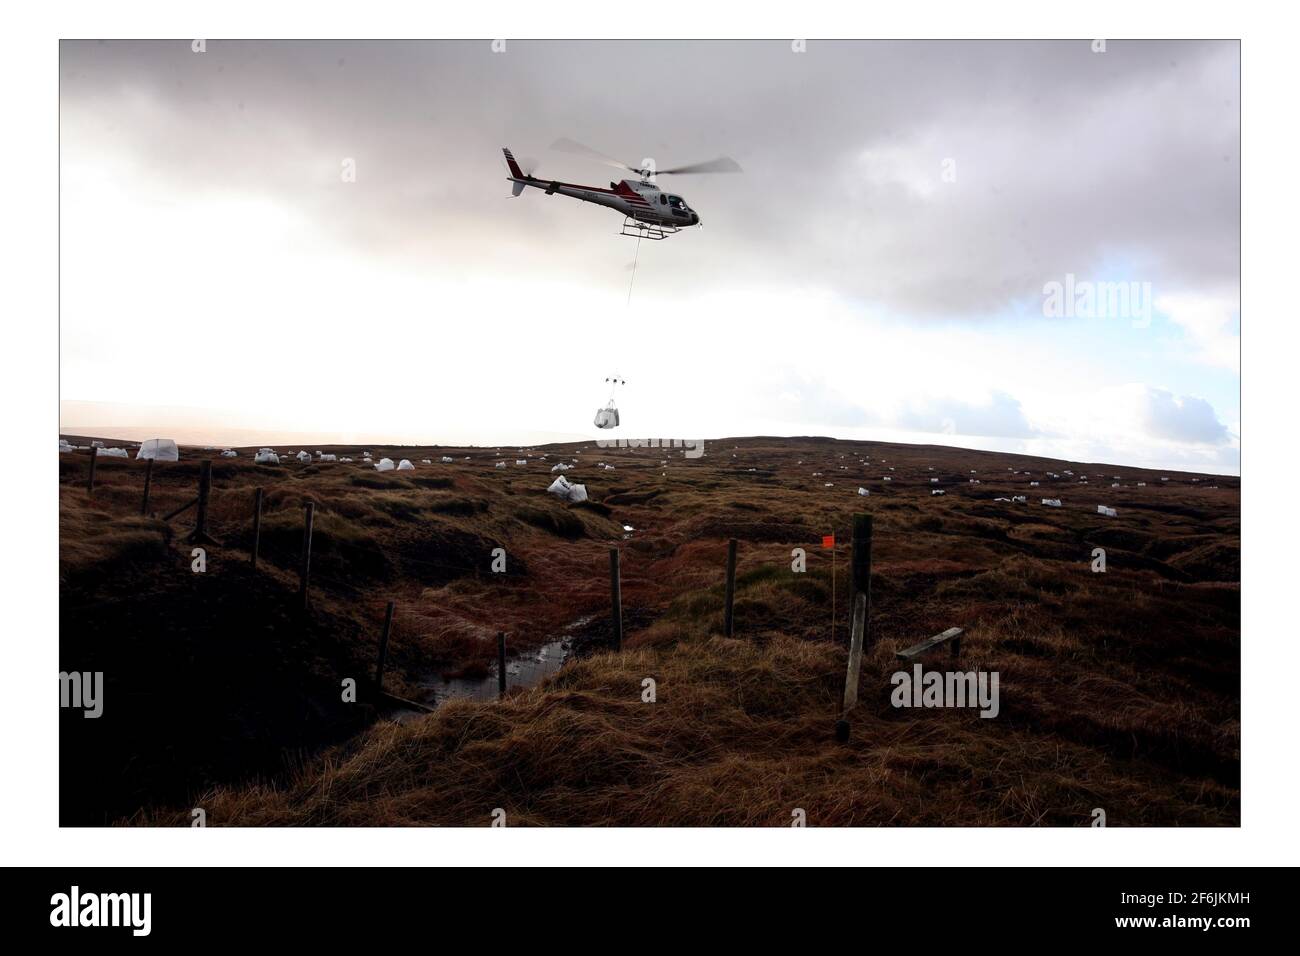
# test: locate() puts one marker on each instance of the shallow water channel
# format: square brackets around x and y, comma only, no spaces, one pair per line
[525,669]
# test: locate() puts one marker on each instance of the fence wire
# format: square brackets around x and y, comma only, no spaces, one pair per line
[524,668]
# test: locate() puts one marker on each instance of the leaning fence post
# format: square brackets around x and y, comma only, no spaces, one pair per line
[861,598]
[501,665]
[90,480]
[861,565]
[855,653]
[616,595]
[257,523]
[148,479]
[304,570]
[383,647]
[728,620]
[200,533]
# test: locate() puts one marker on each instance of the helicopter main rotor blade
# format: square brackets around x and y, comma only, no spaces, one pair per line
[723,164]
[569,146]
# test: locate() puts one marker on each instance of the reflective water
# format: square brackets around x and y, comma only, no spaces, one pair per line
[524,670]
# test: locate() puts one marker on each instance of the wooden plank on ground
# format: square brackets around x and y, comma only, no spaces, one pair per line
[916,650]
[403,702]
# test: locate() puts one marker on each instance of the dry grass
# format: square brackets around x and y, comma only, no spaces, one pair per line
[1118,690]
[739,736]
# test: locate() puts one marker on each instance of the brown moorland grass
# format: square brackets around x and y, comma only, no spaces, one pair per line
[737,736]
[1118,690]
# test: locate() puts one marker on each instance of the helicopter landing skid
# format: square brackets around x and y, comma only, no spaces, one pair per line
[637,229]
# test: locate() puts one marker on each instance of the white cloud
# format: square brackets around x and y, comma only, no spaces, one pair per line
[1139,424]
[998,415]
[1210,322]
[1179,418]
[210,256]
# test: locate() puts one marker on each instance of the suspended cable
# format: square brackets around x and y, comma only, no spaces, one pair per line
[635,259]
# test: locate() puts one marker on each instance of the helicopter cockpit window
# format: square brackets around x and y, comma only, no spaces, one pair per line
[663,199]
[675,202]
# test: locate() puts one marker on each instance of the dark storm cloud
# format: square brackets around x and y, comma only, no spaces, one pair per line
[1122,164]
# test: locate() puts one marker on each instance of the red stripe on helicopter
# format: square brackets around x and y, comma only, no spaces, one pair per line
[623,192]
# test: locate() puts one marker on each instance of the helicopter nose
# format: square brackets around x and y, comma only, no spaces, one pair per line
[695,219]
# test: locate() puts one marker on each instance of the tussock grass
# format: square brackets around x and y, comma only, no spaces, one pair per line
[91,538]
[1118,690]
[739,736]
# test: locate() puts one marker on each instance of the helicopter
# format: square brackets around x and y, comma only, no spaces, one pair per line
[648,211]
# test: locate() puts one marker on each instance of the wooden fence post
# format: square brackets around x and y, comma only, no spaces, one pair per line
[855,653]
[200,533]
[90,480]
[861,566]
[257,523]
[501,665]
[304,570]
[616,594]
[148,480]
[383,647]
[728,620]
[861,598]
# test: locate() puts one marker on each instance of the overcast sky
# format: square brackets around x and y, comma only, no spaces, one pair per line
[877,271]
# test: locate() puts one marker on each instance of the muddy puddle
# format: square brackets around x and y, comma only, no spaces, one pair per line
[526,669]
